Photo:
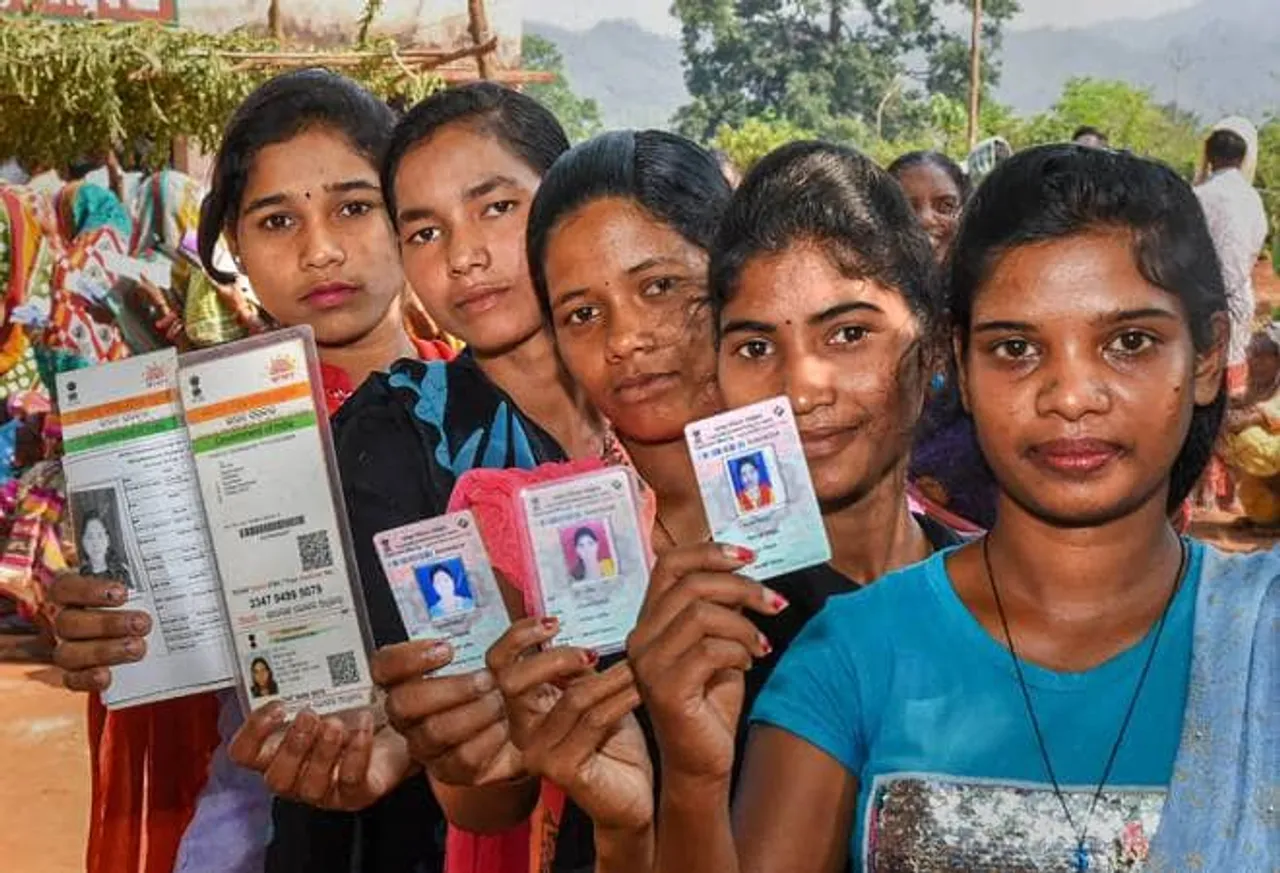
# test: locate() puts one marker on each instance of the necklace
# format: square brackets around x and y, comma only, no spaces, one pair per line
[1080,857]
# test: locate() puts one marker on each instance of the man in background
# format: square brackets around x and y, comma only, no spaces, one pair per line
[1090,138]
[1238,224]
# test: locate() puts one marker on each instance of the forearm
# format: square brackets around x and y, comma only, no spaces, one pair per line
[488,809]
[624,851]
[694,830]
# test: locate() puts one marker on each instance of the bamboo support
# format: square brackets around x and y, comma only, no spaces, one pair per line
[479,22]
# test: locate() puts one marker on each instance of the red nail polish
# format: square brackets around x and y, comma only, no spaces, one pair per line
[550,623]
[765,645]
[591,657]
[778,602]
[744,554]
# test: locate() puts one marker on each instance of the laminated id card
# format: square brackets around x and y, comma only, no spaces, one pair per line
[136,516]
[256,418]
[589,556]
[756,488]
[444,586]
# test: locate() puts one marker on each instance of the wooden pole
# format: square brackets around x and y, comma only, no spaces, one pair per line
[274,22]
[975,73]
[479,22]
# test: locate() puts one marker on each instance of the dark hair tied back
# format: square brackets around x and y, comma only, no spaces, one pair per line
[275,112]
[672,178]
[839,200]
[1059,191]
[521,124]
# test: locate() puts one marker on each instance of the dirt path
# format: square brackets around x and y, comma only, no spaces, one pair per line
[44,789]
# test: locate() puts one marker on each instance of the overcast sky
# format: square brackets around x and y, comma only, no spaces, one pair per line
[655,14]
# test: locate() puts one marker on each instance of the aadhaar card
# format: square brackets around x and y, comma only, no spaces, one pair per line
[264,458]
[756,488]
[589,555]
[445,587]
[136,519]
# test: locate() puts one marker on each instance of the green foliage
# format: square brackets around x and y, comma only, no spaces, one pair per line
[756,137]
[814,62]
[579,115]
[72,88]
[1129,115]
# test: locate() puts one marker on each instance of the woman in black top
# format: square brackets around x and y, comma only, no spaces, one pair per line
[459,177]
[823,289]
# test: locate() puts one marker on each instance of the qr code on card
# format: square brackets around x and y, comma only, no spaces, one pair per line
[314,551]
[343,669]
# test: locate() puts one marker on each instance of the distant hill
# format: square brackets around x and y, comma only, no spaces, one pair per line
[1215,58]
[633,74]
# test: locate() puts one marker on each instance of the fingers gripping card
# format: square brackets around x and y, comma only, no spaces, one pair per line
[444,586]
[756,488]
[591,565]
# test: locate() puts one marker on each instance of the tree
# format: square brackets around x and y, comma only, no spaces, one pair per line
[1129,115]
[814,62]
[579,115]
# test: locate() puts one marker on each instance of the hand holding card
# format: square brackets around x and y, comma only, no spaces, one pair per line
[444,586]
[589,554]
[756,488]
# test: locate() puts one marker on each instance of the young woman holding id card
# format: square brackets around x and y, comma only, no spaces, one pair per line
[606,332]
[1090,690]
[296,193]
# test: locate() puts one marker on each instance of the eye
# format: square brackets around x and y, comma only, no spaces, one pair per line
[501,207]
[355,208]
[423,236]
[1132,342]
[754,348]
[848,335]
[1013,349]
[581,315]
[946,205]
[659,286]
[278,221]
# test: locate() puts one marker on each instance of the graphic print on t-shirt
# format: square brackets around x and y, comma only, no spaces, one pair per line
[936,824]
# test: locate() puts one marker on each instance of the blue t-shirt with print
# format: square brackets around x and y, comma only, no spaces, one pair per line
[903,686]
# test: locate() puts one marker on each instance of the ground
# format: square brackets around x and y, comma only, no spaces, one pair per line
[44,787]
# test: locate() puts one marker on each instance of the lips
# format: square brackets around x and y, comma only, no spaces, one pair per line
[330,295]
[1075,457]
[644,387]
[824,442]
[481,298]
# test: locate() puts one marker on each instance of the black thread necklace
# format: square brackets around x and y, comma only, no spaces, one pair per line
[1080,859]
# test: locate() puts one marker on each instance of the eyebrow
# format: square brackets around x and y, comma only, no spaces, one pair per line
[842,309]
[1109,318]
[650,263]
[480,189]
[745,325]
[488,186]
[342,187]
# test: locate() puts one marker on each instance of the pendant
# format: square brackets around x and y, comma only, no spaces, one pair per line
[1081,857]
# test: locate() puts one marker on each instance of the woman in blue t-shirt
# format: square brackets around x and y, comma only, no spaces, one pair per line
[1021,702]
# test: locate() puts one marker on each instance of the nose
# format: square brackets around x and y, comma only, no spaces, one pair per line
[322,248]
[467,251]
[809,383]
[1074,386]
[629,331]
